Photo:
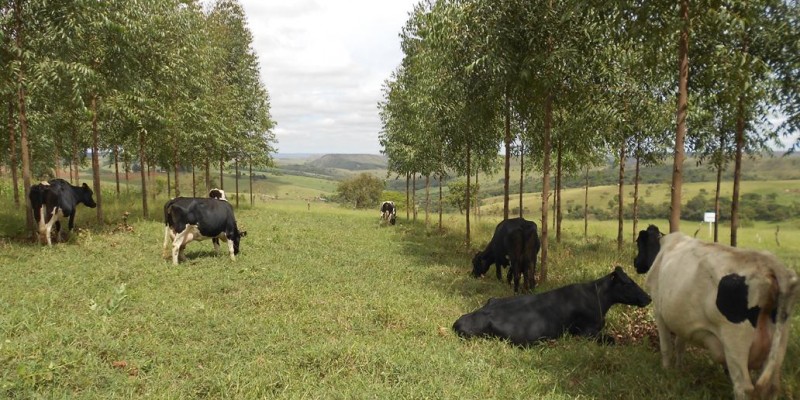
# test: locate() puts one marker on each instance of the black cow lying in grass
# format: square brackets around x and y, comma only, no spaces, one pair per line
[578,309]
[515,242]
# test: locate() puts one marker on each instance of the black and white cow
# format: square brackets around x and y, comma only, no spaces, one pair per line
[218,194]
[56,199]
[198,218]
[577,309]
[516,243]
[736,303]
[389,212]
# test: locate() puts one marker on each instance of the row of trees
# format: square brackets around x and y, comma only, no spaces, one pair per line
[562,84]
[156,83]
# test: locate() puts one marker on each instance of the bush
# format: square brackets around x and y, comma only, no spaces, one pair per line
[362,191]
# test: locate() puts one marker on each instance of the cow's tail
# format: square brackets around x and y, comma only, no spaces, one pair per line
[788,285]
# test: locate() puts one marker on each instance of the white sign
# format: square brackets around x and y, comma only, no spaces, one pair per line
[709,217]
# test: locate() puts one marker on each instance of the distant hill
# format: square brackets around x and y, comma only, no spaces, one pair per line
[351,162]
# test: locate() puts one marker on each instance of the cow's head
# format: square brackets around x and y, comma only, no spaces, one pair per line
[86,196]
[648,246]
[479,265]
[625,291]
[237,236]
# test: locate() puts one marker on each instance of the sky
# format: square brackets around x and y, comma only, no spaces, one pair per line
[324,63]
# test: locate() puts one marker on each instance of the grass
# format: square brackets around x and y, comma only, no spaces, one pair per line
[321,303]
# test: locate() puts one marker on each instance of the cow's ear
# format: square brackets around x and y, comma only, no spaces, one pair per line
[85,186]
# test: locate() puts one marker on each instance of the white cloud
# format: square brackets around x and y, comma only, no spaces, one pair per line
[323,63]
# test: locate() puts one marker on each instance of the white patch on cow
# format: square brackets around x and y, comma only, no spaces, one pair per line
[46,228]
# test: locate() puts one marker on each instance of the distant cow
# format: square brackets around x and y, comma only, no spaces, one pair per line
[389,212]
[577,309]
[56,199]
[198,218]
[736,303]
[218,194]
[516,243]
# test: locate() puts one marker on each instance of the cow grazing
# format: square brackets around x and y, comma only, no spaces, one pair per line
[389,212]
[734,302]
[56,199]
[198,218]
[218,194]
[577,309]
[516,243]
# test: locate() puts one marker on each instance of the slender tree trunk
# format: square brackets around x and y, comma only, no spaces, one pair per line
[116,167]
[427,196]
[143,172]
[221,169]
[408,193]
[194,180]
[98,195]
[440,202]
[75,156]
[546,148]
[208,174]
[57,156]
[683,105]
[521,175]
[477,200]
[414,195]
[169,185]
[12,151]
[236,180]
[507,180]
[737,173]
[716,202]
[586,207]
[127,167]
[176,162]
[621,194]
[469,195]
[23,121]
[555,197]
[559,182]
[250,171]
[636,194]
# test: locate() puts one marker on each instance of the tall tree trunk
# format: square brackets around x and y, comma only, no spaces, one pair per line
[143,171]
[169,185]
[236,180]
[176,162]
[427,196]
[683,105]
[477,201]
[737,173]
[23,121]
[116,167]
[221,170]
[636,194]
[208,174]
[469,195]
[621,194]
[12,151]
[716,201]
[408,193]
[440,202]
[507,180]
[252,194]
[57,156]
[559,175]
[521,175]
[555,197]
[586,207]
[98,195]
[414,195]
[75,156]
[127,167]
[194,180]
[546,147]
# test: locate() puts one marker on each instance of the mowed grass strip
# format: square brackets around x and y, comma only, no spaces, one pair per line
[323,303]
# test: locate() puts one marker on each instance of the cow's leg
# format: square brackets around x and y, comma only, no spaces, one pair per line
[230,249]
[736,361]
[167,239]
[215,241]
[666,342]
[178,245]
[499,270]
[526,286]
[42,225]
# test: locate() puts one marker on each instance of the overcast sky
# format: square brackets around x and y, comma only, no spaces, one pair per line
[324,63]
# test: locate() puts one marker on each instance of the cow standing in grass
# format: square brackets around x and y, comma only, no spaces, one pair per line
[736,303]
[516,243]
[51,201]
[389,212]
[197,218]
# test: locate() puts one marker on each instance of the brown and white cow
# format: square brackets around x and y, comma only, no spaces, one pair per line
[736,303]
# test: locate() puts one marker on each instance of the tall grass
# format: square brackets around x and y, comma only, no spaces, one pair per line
[321,303]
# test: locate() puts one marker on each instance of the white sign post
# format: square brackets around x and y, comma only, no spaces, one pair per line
[710,217]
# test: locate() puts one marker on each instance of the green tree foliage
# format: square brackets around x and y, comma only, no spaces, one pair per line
[361,191]
[457,195]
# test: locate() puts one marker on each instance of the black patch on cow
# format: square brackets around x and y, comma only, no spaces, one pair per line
[732,300]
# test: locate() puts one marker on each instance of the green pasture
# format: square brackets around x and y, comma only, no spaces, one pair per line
[321,303]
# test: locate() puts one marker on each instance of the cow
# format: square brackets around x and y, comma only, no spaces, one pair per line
[516,243]
[218,194]
[734,302]
[578,309]
[56,199]
[199,218]
[388,212]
